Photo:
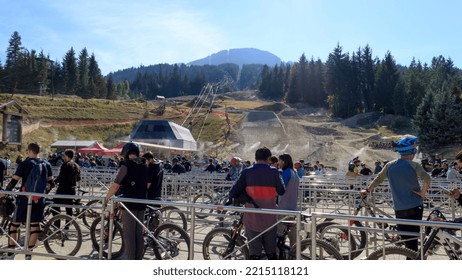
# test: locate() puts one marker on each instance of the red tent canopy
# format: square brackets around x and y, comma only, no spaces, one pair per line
[114,151]
[96,148]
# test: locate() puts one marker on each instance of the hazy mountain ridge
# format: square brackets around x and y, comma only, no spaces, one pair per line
[240,57]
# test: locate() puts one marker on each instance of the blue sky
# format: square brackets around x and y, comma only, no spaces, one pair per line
[125,34]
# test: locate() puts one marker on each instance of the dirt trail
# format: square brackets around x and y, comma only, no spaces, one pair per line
[314,137]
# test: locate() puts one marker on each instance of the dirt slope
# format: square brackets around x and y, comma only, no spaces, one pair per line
[314,136]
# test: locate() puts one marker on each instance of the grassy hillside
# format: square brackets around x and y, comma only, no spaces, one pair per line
[73,118]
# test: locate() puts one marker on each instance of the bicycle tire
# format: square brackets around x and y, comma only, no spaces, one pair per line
[393,253]
[324,251]
[90,214]
[60,240]
[173,215]
[118,243]
[338,237]
[174,240]
[216,243]
[203,199]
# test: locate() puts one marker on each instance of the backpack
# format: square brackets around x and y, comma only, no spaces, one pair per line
[37,181]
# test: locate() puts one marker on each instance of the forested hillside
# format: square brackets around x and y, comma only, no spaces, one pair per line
[346,84]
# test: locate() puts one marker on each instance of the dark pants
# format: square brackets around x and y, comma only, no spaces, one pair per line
[410,214]
[133,234]
[266,241]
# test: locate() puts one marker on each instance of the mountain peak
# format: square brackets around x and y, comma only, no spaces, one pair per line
[239,56]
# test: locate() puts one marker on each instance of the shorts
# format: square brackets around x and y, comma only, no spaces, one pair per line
[20,213]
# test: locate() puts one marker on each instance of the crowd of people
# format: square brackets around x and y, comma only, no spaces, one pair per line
[270,182]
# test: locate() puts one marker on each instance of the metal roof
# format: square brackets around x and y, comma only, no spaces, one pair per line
[74,143]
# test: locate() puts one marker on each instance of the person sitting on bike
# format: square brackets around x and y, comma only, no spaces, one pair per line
[407,195]
[260,184]
[132,178]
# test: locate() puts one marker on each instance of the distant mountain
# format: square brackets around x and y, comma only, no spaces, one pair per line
[239,57]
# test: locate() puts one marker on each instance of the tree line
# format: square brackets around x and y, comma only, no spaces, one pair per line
[346,84]
[358,83]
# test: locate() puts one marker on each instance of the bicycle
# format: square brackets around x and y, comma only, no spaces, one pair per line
[434,238]
[218,199]
[61,235]
[165,240]
[351,241]
[229,244]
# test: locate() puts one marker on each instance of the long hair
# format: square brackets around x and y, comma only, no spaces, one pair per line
[288,162]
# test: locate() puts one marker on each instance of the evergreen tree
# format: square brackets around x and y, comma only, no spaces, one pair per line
[414,87]
[14,61]
[110,88]
[97,84]
[337,84]
[367,78]
[302,80]
[70,71]
[387,80]
[292,91]
[83,87]
[421,122]
[265,82]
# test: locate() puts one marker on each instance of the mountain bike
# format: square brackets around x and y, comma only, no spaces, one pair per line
[434,239]
[164,240]
[229,244]
[60,235]
[351,241]
[219,198]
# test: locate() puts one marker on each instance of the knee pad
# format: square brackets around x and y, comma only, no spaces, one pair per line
[13,228]
[37,231]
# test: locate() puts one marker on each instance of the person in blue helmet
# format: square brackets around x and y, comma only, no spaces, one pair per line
[407,194]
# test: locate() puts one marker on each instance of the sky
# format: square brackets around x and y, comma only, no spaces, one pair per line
[124,34]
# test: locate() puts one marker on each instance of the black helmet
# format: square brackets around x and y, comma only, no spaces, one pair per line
[130,148]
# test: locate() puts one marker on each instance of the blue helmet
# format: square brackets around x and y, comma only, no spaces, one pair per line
[406,145]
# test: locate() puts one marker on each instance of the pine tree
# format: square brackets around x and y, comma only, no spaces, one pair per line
[70,71]
[337,83]
[291,95]
[265,81]
[302,80]
[422,122]
[368,78]
[387,80]
[110,88]
[14,61]
[97,84]
[83,87]
[414,87]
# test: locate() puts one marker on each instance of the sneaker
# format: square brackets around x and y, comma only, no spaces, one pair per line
[7,257]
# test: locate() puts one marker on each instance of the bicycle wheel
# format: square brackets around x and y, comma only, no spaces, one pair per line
[393,253]
[343,240]
[91,213]
[172,215]
[216,244]
[118,244]
[170,242]
[203,199]
[62,236]
[324,251]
